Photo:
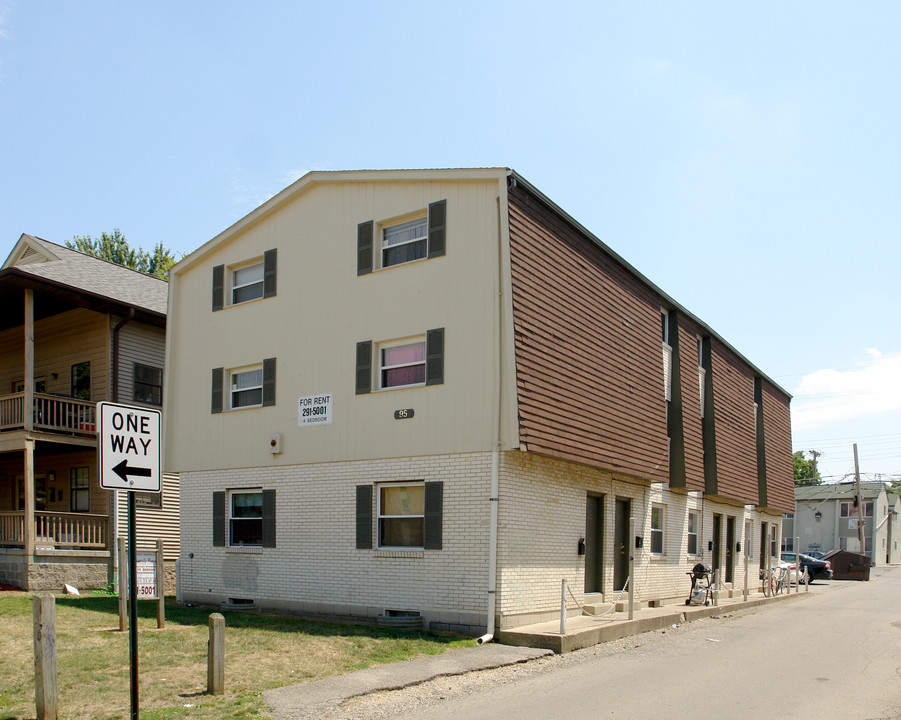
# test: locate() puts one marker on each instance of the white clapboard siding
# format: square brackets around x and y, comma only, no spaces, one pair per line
[153,523]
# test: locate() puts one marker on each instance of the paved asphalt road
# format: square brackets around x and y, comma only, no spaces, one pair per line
[836,654]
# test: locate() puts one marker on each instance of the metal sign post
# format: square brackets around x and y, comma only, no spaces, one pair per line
[129,459]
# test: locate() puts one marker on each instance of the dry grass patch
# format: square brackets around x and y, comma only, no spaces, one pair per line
[261,652]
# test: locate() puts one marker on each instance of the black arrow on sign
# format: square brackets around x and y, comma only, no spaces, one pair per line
[123,471]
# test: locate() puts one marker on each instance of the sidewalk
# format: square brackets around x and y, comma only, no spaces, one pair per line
[515,645]
[585,630]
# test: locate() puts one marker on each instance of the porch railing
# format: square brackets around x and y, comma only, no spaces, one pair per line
[56,530]
[50,412]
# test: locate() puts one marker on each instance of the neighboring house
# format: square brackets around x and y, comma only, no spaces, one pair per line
[434,392]
[74,330]
[826,519]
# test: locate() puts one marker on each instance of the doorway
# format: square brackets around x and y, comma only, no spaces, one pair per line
[621,543]
[594,543]
[40,493]
[730,548]
[717,531]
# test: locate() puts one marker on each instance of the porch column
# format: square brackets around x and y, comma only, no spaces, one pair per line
[29,500]
[28,411]
[28,403]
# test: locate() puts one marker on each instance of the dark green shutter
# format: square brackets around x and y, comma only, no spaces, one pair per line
[270,262]
[364,517]
[218,287]
[437,226]
[216,395]
[434,500]
[434,357]
[364,248]
[364,367]
[268,382]
[218,519]
[268,519]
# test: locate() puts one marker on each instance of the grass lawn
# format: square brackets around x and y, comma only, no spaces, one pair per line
[261,652]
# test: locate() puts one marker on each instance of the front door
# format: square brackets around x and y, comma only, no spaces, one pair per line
[717,530]
[621,543]
[594,543]
[730,548]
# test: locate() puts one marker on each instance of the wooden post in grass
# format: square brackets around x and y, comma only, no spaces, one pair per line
[215,668]
[160,586]
[45,695]
[121,583]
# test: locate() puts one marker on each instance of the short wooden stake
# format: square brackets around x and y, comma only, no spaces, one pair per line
[160,587]
[45,689]
[215,670]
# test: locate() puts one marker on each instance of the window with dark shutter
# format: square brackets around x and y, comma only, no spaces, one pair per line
[269,382]
[270,261]
[218,519]
[437,227]
[434,374]
[364,367]
[216,394]
[218,287]
[268,519]
[364,517]
[434,501]
[364,248]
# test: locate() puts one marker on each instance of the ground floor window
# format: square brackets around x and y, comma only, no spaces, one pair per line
[245,517]
[692,533]
[658,520]
[401,515]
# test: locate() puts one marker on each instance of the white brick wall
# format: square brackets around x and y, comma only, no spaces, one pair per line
[316,567]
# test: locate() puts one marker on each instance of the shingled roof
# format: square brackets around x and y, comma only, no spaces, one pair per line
[58,264]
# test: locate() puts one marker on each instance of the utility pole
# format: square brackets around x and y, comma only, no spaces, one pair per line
[860,534]
[814,454]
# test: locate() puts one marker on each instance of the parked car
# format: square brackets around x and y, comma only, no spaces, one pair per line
[816,569]
[815,554]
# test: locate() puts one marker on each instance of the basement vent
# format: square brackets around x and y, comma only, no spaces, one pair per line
[238,604]
[410,619]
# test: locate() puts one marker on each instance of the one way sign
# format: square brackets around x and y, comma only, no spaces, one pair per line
[129,447]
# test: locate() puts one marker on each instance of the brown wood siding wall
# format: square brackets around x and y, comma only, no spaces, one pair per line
[691,405]
[60,341]
[780,484]
[736,440]
[589,361]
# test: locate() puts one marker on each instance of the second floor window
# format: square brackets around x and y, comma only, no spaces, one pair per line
[402,365]
[247,283]
[81,381]
[247,388]
[148,384]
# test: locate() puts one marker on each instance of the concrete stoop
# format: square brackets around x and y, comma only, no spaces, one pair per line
[585,631]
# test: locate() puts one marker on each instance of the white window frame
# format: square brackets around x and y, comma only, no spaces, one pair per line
[658,533]
[399,224]
[235,285]
[380,516]
[693,534]
[388,345]
[233,376]
[230,496]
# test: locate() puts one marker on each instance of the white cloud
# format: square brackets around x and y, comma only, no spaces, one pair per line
[829,396]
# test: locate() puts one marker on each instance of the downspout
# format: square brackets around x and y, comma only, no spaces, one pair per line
[496,444]
[114,396]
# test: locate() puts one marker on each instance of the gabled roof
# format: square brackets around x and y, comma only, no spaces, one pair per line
[838,491]
[77,279]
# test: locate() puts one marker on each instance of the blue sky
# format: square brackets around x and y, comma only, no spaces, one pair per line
[743,157]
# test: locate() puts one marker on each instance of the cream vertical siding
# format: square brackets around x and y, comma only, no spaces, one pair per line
[321,311]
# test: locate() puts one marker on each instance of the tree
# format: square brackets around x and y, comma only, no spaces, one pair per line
[806,472]
[114,248]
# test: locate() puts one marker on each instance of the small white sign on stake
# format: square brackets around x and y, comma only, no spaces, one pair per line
[314,410]
[129,447]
